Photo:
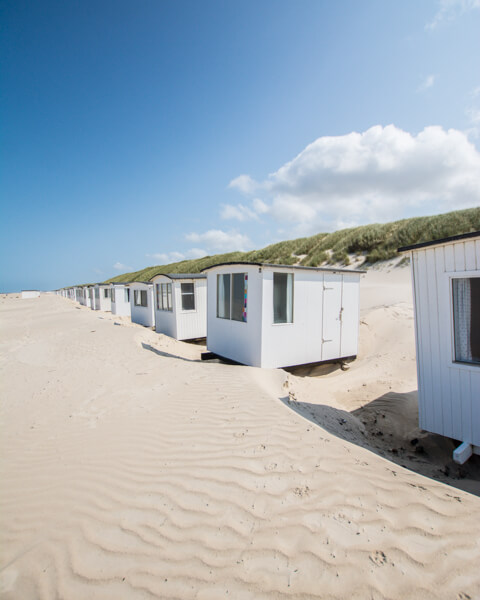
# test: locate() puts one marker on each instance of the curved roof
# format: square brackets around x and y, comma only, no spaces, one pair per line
[298,267]
[179,276]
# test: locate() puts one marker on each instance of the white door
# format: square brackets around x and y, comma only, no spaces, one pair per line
[332,316]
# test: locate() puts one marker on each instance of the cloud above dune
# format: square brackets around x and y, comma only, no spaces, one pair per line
[217,240]
[381,174]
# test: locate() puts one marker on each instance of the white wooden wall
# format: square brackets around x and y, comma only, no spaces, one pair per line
[143,315]
[317,317]
[118,304]
[191,324]
[165,320]
[448,392]
[325,319]
[236,340]
[105,303]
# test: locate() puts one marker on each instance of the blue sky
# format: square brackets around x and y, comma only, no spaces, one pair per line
[135,133]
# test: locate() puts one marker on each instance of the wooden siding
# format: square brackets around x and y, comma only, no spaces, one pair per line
[448,392]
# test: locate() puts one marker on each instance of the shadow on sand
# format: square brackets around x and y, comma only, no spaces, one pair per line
[388,426]
[167,354]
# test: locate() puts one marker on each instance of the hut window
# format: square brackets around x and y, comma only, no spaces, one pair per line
[112,292]
[239,297]
[140,298]
[466,319]
[232,296]
[188,296]
[283,297]
[223,296]
[105,293]
[127,294]
[164,296]
[97,293]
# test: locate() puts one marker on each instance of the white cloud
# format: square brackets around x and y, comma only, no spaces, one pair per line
[450,9]
[221,241]
[244,183]
[239,212]
[381,174]
[426,83]
[118,266]
[259,206]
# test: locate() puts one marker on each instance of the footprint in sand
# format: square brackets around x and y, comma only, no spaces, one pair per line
[379,558]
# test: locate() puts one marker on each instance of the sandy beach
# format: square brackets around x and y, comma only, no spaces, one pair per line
[132,469]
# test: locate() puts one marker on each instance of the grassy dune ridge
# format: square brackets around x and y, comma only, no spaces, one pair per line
[374,242]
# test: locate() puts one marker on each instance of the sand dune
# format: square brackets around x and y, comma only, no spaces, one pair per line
[130,469]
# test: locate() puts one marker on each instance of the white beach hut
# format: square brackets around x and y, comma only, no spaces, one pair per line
[90,297]
[120,299]
[30,294]
[277,316]
[181,305]
[141,303]
[102,297]
[446,288]
[82,295]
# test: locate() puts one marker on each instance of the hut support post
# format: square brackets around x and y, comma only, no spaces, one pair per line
[462,453]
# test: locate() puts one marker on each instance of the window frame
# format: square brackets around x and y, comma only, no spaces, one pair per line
[231,275]
[192,293]
[136,294]
[451,277]
[283,323]
[163,290]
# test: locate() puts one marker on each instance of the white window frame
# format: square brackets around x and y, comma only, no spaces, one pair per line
[449,278]
[138,294]
[164,291]
[280,324]
[193,293]
[229,317]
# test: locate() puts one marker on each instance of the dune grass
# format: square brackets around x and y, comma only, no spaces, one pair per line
[373,242]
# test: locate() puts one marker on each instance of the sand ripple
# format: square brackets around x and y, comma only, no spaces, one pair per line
[126,474]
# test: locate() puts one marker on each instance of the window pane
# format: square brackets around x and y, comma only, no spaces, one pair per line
[144,297]
[223,296]
[169,296]
[157,295]
[113,295]
[105,293]
[164,296]
[283,297]
[188,296]
[466,319]
[239,297]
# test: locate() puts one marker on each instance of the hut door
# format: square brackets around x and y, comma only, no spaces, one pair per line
[332,316]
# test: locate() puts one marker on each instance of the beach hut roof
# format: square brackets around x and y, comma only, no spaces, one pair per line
[179,276]
[299,267]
